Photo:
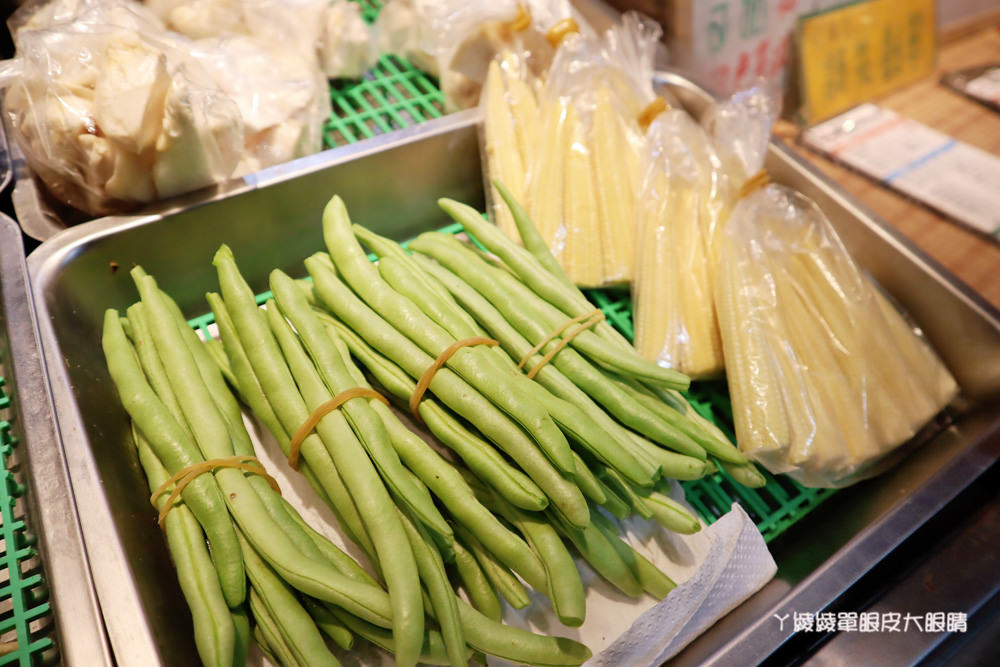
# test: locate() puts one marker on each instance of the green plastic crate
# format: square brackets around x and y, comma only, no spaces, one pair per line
[392,95]
[773,508]
[25,618]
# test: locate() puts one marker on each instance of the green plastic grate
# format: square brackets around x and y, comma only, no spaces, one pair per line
[25,618]
[392,95]
[774,508]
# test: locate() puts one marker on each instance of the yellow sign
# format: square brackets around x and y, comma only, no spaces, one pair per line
[851,54]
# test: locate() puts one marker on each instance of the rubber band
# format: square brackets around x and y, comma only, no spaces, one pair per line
[561,30]
[545,341]
[755,182]
[652,110]
[321,411]
[185,476]
[425,379]
[522,21]
[594,318]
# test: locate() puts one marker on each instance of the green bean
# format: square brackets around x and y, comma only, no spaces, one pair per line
[367,426]
[384,247]
[650,577]
[214,632]
[329,625]
[671,514]
[549,376]
[747,474]
[450,389]
[477,454]
[588,482]
[364,278]
[432,651]
[442,598]
[268,628]
[526,313]
[672,465]
[624,490]
[373,501]
[241,624]
[176,450]
[215,349]
[317,466]
[477,587]
[449,486]
[570,301]
[331,552]
[518,645]
[532,240]
[565,586]
[713,444]
[244,326]
[503,581]
[614,503]
[600,555]
[315,578]
[261,639]
[293,622]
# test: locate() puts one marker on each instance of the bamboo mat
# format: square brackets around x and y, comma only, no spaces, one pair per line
[972,258]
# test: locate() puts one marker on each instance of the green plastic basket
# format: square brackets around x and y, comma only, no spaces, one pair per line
[392,95]
[25,619]
[773,508]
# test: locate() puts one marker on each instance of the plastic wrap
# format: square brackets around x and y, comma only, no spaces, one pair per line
[456,41]
[684,193]
[112,110]
[575,144]
[826,377]
[331,33]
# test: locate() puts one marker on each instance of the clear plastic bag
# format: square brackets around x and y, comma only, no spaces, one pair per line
[456,41]
[332,34]
[826,376]
[112,110]
[682,198]
[569,151]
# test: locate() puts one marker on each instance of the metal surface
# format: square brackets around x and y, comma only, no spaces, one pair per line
[50,513]
[390,184]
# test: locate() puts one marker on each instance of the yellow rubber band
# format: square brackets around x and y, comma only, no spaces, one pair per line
[428,375]
[652,110]
[560,31]
[522,21]
[321,411]
[545,341]
[591,319]
[185,476]
[754,183]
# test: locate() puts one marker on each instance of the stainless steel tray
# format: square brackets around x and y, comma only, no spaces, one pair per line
[390,184]
[50,512]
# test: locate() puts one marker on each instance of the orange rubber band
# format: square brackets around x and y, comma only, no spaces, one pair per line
[321,411]
[560,31]
[652,110]
[592,319]
[522,21]
[425,379]
[755,182]
[545,341]
[185,476]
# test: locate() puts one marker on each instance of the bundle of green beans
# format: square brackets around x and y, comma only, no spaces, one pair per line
[301,586]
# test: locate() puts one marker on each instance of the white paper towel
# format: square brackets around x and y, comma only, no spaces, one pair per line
[716,569]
